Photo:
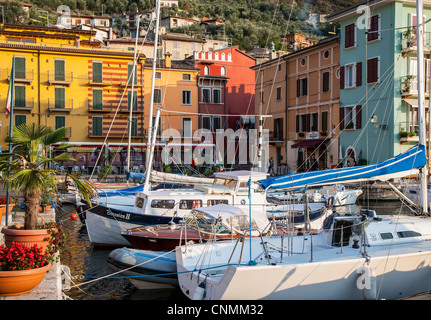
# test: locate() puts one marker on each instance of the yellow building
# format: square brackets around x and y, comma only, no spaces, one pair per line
[64,78]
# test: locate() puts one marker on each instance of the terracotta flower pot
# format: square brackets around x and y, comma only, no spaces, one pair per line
[22,281]
[29,238]
[3,209]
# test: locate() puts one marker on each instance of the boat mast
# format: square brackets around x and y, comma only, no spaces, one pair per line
[132,75]
[150,115]
[421,102]
[151,153]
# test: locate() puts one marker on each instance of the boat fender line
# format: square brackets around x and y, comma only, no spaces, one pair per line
[367,282]
[199,292]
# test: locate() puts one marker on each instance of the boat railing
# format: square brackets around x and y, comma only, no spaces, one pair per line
[242,239]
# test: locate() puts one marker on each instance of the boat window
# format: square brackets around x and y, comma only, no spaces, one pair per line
[408,234]
[168,204]
[216,201]
[386,236]
[190,204]
[227,182]
[139,202]
[243,186]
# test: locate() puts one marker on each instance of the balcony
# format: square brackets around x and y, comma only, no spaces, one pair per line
[409,41]
[112,106]
[68,132]
[115,132]
[24,105]
[124,81]
[60,79]
[21,76]
[409,86]
[60,106]
[409,131]
[103,80]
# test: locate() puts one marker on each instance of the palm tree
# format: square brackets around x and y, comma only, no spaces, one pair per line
[27,168]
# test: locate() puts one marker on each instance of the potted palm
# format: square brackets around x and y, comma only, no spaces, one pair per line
[28,170]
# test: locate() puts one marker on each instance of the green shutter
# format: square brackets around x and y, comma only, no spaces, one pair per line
[60,101]
[59,70]
[19,96]
[19,119]
[97,72]
[97,99]
[60,121]
[135,100]
[134,131]
[129,72]
[97,126]
[19,68]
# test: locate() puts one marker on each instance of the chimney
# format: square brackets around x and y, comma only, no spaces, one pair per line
[167,60]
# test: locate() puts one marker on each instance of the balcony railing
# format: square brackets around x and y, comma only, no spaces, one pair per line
[68,132]
[121,133]
[112,106]
[24,105]
[60,105]
[61,79]
[20,76]
[409,40]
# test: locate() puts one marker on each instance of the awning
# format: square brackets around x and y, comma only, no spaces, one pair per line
[311,143]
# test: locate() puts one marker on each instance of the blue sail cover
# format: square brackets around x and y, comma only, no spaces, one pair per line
[135,175]
[121,192]
[399,166]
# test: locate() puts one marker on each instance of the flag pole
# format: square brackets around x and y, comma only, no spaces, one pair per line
[11,84]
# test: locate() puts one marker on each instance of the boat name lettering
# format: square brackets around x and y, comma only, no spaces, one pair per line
[119,215]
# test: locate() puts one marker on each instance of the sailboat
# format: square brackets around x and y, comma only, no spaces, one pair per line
[364,256]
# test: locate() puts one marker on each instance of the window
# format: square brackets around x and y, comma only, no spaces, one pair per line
[166,204]
[314,121]
[374,27]
[97,126]
[134,129]
[278,129]
[216,96]
[408,234]
[216,124]
[326,54]
[386,236]
[278,94]
[135,100]
[60,101]
[350,76]
[301,87]
[97,99]
[187,97]
[216,201]
[351,117]
[303,62]
[373,66]
[261,96]
[159,127]
[206,70]
[19,96]
[302,123]
[206,95]
[190,204]
[60,122]
[19,68]
[135,76]
[20,119]
[157,96]
[223,71]
[206,123]
[97,72]
[325,85]
[349,36]
[324,120]
[158,75]
[59,70]
[187,127]
[187,77]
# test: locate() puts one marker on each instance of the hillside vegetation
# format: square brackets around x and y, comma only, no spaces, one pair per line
[247,23]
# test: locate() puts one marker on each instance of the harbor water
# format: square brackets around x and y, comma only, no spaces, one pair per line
[89,270]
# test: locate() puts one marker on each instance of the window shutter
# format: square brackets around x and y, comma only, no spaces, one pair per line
[358,74]
[324,120]
[60,122]
[342,77]
[59,70]
[307,122]
[129,72]
[19,96]
[341,118]
[325,82]
[60,98]
[135,99]
[358,117]
[298,87]
[19,68]
[297,123]
[372,70]
[374,26]
[97,126]
[305,88]
[97,99]
[97,72]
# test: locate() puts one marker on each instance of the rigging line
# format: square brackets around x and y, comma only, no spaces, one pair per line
[118,107]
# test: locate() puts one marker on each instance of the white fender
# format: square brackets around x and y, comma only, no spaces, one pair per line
[367,282]
[199,292]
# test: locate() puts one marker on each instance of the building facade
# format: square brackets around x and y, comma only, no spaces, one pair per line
[378,98]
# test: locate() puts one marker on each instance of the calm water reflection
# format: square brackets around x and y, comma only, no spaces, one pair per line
[90,263]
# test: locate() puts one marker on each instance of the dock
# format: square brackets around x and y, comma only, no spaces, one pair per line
[51,287]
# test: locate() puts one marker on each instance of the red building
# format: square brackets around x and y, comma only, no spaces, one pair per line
[226,87]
